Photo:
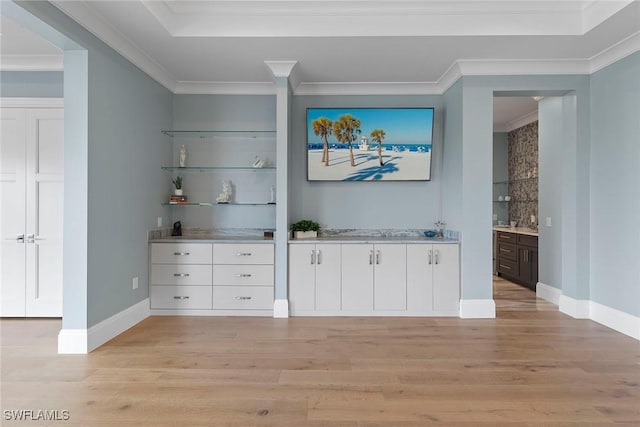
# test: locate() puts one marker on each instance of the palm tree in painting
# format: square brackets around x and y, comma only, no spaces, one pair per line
[346,130]
[377,135]
[322,127]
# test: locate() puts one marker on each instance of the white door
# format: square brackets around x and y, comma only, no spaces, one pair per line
[12,212]
[420,278]
[390,277]
[31,162]
[357,277]
[446,279]
[302,269]
[45,166]
[328,277]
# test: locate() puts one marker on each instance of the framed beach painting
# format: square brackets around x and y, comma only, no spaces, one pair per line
[369,144]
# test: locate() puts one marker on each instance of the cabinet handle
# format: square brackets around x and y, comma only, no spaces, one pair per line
[377,257]
[430,257]
[319,256]
[243,254]
[437,256]
[181,274]
[20,238]
[313,257]
[371,257]
[243,275]
[181,253]
[505,266]
[31,238]
[243,298]
[505,250]
[181,297]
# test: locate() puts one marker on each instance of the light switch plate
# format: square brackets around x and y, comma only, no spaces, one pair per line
[547,221]
[134,284]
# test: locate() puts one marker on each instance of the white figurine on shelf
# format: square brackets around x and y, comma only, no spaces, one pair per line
[272,200]
[183,156]
[225,196]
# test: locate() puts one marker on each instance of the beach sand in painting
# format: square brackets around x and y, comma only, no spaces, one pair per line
[398,166]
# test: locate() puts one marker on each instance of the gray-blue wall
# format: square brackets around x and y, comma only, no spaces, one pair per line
[31,84]
[615,185]
[364,204]
[124,183]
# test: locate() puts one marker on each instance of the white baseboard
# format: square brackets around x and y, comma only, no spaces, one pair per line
[281,309]
[477,309]
[615,319]
[548,293]
[83,341]
[578,309]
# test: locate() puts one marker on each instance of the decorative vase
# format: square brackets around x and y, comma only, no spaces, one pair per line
[177,192]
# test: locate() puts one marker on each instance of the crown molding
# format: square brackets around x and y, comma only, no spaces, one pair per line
[32,62]
[368,88]
[94,23]
[612,54]
[225,88]
[518,122]
[501,67]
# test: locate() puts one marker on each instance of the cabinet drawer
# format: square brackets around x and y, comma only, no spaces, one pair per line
[181,297]
[507,251]
[181,253]
[526,240]
[507,267]
[243,253]
[259,275]
[506,237]
[243,297]
[181,274]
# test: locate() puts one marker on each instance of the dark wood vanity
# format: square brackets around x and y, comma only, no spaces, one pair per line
[517,257]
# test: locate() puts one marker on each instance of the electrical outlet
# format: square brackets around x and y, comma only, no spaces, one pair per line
[159,221]
[134,285]
[495,217]
[548,221]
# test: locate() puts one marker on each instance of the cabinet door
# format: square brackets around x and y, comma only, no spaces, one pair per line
[528,267]
[301,277]
[390,277]
[357,277]
[419,278]
[446,278]
[328,266]
[12,212]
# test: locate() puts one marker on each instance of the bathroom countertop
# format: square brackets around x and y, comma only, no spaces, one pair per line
[516,230]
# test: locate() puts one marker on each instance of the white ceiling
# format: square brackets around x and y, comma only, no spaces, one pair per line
[358,46]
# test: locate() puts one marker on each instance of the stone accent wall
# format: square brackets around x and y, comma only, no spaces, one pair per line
[523,174]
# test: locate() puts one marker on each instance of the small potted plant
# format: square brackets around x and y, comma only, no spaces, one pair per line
[305,229]
[177,182]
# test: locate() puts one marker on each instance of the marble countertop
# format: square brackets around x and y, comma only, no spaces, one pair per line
[517,230]
[374,239]
[212,239]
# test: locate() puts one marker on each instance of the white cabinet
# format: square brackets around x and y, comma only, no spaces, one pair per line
[212,278]
[433,279]
[394,279]
[314,278]
[31,207]
[374,277]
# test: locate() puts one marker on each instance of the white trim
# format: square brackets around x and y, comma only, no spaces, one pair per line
[614,53]
[578,309]
[281,68]
[548,293]
[32,62]
[615,319]
[225,88]
[72,341]
[83,341]
[368,88]
[281,309]
[477,309]
[32,102]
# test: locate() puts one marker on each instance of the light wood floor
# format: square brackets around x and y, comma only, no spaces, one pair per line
[532,366]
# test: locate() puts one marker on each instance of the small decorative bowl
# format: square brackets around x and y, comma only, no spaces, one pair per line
[430,233]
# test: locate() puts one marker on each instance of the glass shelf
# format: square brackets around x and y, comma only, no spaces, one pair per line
[220,133]
[218,204]
[217,168]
